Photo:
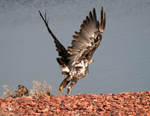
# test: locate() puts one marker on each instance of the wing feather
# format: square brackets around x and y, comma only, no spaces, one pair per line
[87,39]
[60,48]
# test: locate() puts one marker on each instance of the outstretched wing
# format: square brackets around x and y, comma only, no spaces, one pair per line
[88,39]
[60,48]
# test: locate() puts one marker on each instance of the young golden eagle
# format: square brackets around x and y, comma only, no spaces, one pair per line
[74,62]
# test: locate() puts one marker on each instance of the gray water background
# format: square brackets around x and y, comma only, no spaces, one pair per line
[27,51]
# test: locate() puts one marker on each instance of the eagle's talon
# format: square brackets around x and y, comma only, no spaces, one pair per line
[68,90]
[60,91]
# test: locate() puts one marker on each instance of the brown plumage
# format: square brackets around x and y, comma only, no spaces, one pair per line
[75,60]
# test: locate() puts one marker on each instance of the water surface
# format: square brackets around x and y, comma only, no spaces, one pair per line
[27,51]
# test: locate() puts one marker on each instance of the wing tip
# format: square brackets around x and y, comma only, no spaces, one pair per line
[103,20]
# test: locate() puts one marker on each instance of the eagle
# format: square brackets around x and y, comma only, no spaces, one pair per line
[75,60]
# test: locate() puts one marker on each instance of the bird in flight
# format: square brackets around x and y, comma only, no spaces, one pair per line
[75,60]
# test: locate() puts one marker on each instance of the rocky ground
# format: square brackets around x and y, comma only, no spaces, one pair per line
[121,104]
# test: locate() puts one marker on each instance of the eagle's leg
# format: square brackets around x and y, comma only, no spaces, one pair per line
[63,85]
[68,90]
[73,82]
[60,90]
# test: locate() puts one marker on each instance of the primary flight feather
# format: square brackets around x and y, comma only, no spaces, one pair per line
[75,60]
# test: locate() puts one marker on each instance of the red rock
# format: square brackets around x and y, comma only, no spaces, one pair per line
[68,106]
[74,103]
[107,114]
[89,108]
[3,104]
[118,104]
[115,97]
[120,99]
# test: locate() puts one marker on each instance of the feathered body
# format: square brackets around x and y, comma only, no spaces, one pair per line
[75,60]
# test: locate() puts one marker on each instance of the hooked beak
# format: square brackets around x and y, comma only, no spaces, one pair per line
[91,61]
